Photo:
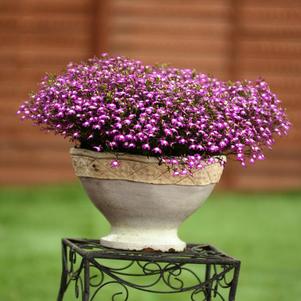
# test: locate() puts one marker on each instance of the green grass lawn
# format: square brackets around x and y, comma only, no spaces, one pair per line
[262,230]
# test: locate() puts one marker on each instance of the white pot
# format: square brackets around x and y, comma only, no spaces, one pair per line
[143,202]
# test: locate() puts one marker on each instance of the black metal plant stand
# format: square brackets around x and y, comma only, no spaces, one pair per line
[95,272]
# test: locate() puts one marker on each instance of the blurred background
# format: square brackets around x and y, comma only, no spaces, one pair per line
[230,39]
[255,215]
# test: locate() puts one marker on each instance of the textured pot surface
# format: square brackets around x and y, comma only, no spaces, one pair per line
[142,214]
[138,169]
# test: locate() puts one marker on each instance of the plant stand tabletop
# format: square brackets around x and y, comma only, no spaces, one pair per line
[93,272]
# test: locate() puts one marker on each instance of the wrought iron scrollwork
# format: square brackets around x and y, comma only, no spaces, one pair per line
[201,271]
[124,293]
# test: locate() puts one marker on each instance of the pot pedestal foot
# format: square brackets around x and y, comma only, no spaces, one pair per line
[156,240]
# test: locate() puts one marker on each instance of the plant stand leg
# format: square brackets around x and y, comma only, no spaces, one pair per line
[64,274]
[86,292]
[208,286]
[234,283]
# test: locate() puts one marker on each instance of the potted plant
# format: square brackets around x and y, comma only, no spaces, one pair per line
[151,141]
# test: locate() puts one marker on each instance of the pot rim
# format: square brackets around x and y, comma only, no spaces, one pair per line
[138,168]
[122,156]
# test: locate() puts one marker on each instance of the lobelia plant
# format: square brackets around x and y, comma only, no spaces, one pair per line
[115,104]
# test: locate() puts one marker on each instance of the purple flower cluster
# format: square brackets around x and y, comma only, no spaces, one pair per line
[120,105]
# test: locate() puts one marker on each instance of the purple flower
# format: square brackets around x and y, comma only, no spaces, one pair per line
[115,104]
[115,164]
[146,147]
[98,148]
[157,150]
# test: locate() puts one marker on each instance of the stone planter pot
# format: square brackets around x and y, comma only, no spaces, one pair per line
[143,202]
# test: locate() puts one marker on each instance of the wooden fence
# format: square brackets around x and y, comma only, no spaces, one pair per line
[231,39]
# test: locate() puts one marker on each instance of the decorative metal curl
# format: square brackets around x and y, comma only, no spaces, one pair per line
[97,278]
[166,272]
[119,293]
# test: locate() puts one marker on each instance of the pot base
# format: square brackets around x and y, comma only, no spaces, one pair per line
[157,240]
